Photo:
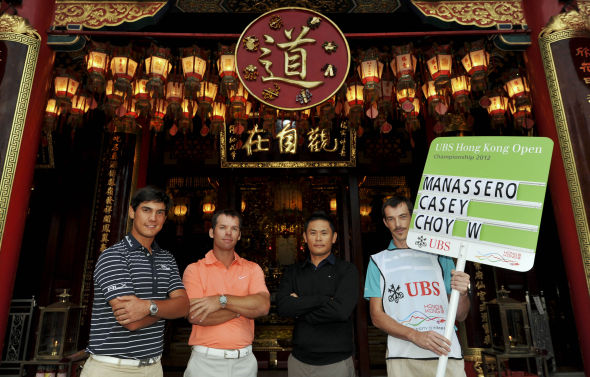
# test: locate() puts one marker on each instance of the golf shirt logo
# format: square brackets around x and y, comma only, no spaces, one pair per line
[113,287]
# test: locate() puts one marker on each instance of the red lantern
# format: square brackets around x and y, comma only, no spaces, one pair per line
[123,68]
[194,63]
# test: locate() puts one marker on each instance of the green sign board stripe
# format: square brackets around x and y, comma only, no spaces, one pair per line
[527,191]
[430,197]
[501,212]
[531,193]
[500,235]
[434,221]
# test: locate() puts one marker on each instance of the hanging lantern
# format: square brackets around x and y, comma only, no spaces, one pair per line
[237,98]
[333,205]
[206,95]
[242,118]
[370,69]
[430,92]
[522,116]
[66,87]
[412,120]
[226,66]
[208,208]
[435,97]
[132,111]
[141,95]
[123,68]
[354,95]
[188,111]
[476,63]
[193,68]
[174,94]
[403,66]
[218,115]
[180,210]
[461,87]
[497,108]
[130,115]
[208,204]
[80,104]
[385,103]
[440,64]
[355,101]
[97,61]
[405,98]
[498,105]
[157,67]
[52,111]
[115,96]
[517,88]
[159,107]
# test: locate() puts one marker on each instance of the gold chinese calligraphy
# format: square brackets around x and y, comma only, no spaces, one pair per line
[299,48]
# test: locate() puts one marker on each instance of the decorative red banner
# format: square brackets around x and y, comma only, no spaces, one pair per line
[292,58]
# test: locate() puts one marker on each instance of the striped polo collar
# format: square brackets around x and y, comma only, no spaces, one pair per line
[134,244]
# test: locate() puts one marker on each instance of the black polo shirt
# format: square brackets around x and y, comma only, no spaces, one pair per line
[327,296]
[127,268]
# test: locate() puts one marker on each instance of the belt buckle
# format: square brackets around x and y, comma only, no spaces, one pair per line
[145,362]
[231,354]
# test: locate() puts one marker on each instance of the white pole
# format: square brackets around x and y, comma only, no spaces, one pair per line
[453,303]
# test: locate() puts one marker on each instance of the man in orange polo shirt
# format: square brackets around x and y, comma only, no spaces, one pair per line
[226,293]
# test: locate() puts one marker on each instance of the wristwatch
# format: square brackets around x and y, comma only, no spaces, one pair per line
[222,301]
[153,308]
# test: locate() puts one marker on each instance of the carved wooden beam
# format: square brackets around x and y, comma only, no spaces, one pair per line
[95,15]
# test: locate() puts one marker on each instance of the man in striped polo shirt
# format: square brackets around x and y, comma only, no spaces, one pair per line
[136,287]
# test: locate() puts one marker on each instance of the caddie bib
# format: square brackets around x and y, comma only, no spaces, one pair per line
[413,294]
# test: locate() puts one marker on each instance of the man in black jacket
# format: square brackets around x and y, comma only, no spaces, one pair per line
[321,294]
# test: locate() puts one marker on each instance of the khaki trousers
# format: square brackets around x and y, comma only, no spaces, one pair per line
[94,368]
[423,368]
[344,368]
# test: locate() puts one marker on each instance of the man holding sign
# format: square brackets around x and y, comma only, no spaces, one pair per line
[407,300]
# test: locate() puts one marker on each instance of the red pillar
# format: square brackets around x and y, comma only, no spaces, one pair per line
[39,13]
[537,14]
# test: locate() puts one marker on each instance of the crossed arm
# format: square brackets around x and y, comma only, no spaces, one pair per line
[133,313]
[207,311]
[317,309]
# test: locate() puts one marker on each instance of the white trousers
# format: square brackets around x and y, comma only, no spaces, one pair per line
[203,365]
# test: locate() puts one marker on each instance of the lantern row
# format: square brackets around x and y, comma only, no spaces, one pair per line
[160,85]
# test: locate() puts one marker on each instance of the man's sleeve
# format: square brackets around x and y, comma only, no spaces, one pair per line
[175,281]
[257,283]
[447,265]
[338,308]
[372,281]
[112,276]
[289,306]
[192,281]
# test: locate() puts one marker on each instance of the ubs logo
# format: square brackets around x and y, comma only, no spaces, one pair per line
[396,293]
